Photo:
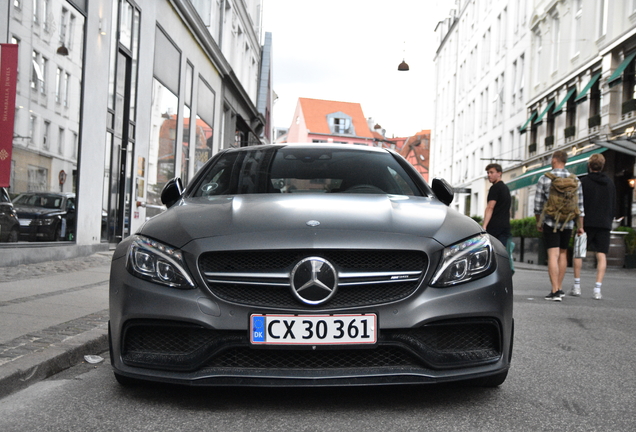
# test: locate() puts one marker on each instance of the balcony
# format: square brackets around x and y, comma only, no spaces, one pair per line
[627,109]
[594,123]
[549,142]
[569,133]
[532,149]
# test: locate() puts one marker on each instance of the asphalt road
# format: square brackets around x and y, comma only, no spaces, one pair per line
[573,369]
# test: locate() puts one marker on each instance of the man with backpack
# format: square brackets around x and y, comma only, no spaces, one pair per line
[558,205]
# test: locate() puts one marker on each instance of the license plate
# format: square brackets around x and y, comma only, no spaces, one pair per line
[349,329]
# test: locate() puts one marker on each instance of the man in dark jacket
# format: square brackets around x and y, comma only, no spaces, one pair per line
[599,201]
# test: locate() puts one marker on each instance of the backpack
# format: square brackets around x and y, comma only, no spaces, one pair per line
[563,200]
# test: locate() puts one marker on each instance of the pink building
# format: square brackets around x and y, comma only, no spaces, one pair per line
[317,120]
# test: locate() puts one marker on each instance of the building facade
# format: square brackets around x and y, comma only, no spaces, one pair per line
[581,94]
[481,94]
[115,97]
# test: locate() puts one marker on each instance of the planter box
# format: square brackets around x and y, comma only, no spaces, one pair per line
[533,251]
[630,261]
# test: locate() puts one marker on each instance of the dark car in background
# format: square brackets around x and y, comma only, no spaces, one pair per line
[9,224]
[46,216]
[310,265]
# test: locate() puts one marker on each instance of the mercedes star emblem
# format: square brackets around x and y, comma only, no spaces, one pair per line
[314,280]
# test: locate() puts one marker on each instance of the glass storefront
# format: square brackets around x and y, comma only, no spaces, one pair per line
[44,166]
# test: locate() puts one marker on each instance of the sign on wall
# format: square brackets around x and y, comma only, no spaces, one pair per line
[8,80]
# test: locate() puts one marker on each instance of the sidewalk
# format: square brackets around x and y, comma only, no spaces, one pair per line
[52,314]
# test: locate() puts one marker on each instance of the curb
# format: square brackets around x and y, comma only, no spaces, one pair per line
[35,367]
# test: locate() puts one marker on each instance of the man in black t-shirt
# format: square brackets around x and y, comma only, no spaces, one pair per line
[497,215]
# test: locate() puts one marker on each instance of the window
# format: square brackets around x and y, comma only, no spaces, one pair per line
[63,25]
[576,27]
[537,57]
[36,12]
[602,18]
[45,135]
[33,123]
[67,84]
[556,35]
[58,85]
[45,15]
[341,125]
[60,141]
[36,70]
[44,66]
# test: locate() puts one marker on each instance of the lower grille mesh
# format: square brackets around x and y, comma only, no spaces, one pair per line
[181,346]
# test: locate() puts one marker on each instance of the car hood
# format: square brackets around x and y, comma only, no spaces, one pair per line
[34,212]
[196,218]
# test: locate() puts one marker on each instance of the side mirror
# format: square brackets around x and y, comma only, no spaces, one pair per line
[171,192]
[443,190]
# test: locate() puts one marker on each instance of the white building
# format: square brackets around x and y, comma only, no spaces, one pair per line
[481,95]
[123,95]
[581,93]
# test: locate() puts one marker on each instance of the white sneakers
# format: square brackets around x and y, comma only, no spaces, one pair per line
[576,292]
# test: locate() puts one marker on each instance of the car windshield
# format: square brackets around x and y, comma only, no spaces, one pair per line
[310,170]
[40,200]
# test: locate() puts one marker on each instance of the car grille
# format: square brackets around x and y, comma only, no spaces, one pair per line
[186,347]
[261,278]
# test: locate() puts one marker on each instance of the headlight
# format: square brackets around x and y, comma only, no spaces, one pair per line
[465,261]
[47,221]
[148,259]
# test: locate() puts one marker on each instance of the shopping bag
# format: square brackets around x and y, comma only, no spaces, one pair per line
[580,245]
[510,248]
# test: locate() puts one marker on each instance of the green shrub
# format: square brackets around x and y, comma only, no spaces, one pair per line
[477,219]
[526,227]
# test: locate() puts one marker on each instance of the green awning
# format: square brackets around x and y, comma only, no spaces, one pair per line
[576,165]
[581,96]
[525,125]
[617,75]
[543,113]
[567,97]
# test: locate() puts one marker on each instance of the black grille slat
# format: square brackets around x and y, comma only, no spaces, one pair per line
[350,296]
[283,261]
[327,359]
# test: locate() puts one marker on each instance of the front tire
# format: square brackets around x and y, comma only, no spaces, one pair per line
[14,235]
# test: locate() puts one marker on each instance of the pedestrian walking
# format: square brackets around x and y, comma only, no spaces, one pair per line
[497,214]
[558,205]
[599,196]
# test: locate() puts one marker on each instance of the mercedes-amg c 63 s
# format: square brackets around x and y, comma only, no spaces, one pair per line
[310,265]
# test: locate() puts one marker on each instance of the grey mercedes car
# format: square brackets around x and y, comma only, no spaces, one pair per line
[310,265]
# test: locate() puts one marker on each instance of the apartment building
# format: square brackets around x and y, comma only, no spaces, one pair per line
[481,95]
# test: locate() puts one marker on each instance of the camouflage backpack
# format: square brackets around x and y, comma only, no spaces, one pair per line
[563,200]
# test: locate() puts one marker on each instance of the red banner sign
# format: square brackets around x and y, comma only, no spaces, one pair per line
[8,80]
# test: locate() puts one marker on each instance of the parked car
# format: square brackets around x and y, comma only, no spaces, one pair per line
[310,265]
[48,216]
[9,224]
